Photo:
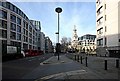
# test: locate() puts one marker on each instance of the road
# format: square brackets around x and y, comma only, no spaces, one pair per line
[30,69]
[16,69]
[40,67]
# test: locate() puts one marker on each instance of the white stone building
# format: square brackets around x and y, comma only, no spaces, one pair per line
[88,43]
[108,27]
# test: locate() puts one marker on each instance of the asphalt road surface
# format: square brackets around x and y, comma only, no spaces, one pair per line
[16,69]
[30,69]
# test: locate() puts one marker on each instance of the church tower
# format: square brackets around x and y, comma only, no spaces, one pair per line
[74,41]
[75,36]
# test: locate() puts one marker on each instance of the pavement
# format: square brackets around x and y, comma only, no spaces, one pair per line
[94,70]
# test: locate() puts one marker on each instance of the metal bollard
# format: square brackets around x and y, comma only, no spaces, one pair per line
[75,57]
[78,58]
[105,64]
[81,59]
[86,62]
[117,63]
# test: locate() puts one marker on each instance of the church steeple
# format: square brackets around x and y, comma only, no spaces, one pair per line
[74,41]
[75,36]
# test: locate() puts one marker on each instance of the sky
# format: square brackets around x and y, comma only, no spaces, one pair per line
[79,13]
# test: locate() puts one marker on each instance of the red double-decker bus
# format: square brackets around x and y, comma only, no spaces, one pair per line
[30,52]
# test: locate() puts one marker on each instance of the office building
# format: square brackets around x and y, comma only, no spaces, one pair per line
[15,27]
[88,43]
[42,43]
[48,45]
[108,27]
[37,24]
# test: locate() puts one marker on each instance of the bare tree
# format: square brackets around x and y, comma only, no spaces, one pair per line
[64,43]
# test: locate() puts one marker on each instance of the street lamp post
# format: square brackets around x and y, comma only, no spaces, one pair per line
[58,10]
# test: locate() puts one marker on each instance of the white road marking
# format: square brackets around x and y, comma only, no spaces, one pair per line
[76,72]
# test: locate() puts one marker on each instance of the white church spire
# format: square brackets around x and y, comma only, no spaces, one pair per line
[75,36]
[74,42]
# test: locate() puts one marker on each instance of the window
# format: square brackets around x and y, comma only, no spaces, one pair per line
[18,21]
[99,11]
[11,7]
[16,10]
[30,28]
[30,35]
[4,41]
[100,42]
[13,18]
[18,36]
[23,30]
[24,24]
[100,31]
[13,43]
[4,4]
[8,5]
[4,33]
[27,26]
[33,37]
[119,40]
[3,24]
[3,14]
[105,41]
[12,35]
[30,40]
[33,32]
[13,27]
[30,46]
[26,39]
[26,33]
[98,2]
[18,29]
[100,20]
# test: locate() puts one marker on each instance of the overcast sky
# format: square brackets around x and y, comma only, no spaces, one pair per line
[82,14]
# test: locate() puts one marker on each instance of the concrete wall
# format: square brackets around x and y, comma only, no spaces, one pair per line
[119,22]
[112,22]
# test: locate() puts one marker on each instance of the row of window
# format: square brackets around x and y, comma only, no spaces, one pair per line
[87,37]
[13,19]
[14,43]
[87,43]
[13,8]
